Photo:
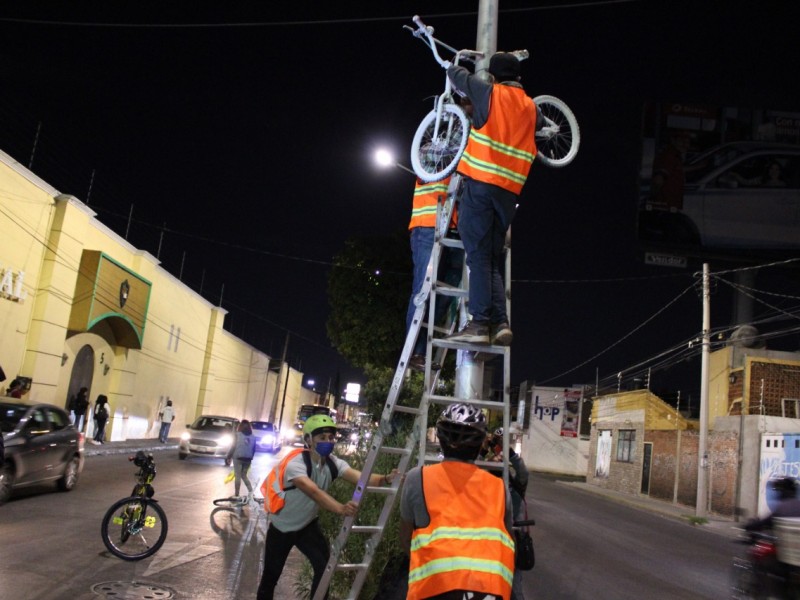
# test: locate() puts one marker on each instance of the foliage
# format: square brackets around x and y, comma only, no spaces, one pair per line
[368,291]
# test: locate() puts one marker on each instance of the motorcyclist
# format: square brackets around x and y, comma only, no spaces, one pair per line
[788,504]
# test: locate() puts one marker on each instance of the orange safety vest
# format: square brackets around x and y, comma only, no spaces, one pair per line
[426,197]
[273,486]
[502,151]
[466,545]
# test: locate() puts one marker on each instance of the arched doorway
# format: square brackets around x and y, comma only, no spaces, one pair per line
[82,374]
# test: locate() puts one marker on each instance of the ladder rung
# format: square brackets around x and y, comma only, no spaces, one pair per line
[406,409]
[366,529]
[478,348]
[444,289]
[395,451]
[352,566]
[381,489]
[451,242]
[453,400]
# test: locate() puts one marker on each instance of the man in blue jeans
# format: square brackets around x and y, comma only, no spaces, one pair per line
[495,166]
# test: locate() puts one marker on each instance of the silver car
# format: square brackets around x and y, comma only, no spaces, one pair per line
[209,435]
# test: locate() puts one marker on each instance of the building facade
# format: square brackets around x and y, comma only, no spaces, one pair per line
[81,307]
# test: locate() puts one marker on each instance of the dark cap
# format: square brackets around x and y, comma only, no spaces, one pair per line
[504,66]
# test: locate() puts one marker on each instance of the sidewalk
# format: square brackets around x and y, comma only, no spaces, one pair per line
[129,446]
[719,524]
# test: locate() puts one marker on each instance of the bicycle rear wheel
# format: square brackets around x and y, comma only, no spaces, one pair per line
[232,502]
[435,152]
[134,528]
[558,141]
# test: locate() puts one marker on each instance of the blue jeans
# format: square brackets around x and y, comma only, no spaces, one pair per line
[450,267]
[485,213]
[163,433]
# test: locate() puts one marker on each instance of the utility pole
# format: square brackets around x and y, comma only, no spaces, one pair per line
[469,372]
[702,452]
[274,408]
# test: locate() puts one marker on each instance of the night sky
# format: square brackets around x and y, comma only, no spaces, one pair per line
[243,139]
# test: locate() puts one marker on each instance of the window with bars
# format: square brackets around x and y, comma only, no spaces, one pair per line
[626,445]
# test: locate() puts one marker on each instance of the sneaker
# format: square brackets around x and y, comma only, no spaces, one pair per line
[473,333]
[502,335]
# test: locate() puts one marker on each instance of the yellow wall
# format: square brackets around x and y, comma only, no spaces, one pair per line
[186,355]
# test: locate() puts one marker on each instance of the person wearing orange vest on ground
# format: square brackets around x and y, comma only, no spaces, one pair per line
[455,518]
[495,165]
[422,229]
[303,494]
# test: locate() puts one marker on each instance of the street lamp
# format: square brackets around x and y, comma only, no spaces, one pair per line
[385,158]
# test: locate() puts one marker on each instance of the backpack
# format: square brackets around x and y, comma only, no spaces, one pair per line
[273,488]
[101,411]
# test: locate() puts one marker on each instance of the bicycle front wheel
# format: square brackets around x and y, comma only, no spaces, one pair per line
[558,140]
[134,528]
[437,146]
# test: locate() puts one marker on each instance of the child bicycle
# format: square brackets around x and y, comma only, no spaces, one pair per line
[136,527]
[442,135]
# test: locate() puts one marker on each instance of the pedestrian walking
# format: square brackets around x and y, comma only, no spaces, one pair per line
[242,453]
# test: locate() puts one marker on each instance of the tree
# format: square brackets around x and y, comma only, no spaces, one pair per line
[368,291]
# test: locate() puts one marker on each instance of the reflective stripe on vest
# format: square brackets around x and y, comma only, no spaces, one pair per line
[502,151]
[426,197]
[466,545]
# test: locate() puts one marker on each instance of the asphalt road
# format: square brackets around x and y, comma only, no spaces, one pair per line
[587,547]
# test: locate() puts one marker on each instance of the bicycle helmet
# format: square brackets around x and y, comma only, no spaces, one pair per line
[461,425]
[316,424]
[504,66]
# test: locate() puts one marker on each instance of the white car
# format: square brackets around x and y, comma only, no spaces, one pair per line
[742,195]
[209,435]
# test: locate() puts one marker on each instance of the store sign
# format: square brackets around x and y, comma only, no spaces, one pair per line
[11,285]
[352,392]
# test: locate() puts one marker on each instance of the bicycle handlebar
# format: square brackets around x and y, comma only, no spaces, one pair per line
[525,523]
[432,43]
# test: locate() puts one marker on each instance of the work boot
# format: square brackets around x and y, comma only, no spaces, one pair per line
[473,333]
[502,335]
[417,363]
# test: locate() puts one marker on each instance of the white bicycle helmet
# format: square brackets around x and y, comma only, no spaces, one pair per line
[461,425]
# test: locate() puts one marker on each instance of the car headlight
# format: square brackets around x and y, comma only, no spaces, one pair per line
[269,438]
[353,437]
[225,440]
[186,436]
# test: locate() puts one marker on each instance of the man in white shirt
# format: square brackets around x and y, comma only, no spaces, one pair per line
[166,416]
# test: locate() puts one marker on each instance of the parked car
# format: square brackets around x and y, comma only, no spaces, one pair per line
[40,445]
[268,436]
[209,435]
[739,195]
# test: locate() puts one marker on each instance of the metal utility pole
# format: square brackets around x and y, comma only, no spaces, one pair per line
[469,372]
[702,452]
[273,409]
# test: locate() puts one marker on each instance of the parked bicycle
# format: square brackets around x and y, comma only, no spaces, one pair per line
[442,135]
[136,527]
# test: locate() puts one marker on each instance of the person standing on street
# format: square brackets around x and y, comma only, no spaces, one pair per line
[455,518]
[495,165]
[78,406]
[100,419]
[294,491]
[166,416]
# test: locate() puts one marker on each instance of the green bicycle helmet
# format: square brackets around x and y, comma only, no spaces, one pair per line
[316,424]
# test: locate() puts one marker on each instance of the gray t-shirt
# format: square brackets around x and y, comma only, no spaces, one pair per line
[300,509]
[412,501]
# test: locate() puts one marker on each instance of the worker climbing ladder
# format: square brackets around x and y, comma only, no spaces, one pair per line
[469,388]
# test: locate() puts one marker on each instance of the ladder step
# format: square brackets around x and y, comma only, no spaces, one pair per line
[366,529]
[451,242]
[352,567]
[381,489]
[406,409]
[481,349]
[479,403]
[445,289]
[395,451]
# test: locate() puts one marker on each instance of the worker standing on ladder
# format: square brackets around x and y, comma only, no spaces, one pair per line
[294,492]
[495,165]
[455,518]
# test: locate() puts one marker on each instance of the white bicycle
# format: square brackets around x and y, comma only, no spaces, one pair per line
[442,135]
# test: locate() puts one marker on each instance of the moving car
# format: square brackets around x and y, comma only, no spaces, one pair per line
[41,445]
[267,435]
[209,435]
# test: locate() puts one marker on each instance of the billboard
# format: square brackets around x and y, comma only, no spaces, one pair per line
[719,181]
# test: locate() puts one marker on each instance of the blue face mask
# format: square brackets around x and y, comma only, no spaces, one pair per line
[324,448]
